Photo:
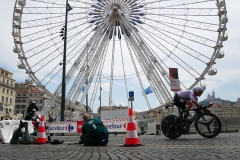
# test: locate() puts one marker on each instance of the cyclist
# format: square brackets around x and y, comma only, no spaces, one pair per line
[186,99]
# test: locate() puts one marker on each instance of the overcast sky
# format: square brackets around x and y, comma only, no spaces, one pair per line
[226,83]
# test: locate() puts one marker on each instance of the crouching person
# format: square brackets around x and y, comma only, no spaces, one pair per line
[94,132]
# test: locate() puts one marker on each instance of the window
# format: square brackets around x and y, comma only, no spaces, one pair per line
[7,91]
[3,90]
[40,101]
[24,94]
[10,100]
[30,95]
[7,82]
[6,74]
[6,110]
[23,106]
[18,94]
[11,83]
[2,99]
[2,72]
[6,100]
[3,80]
[17,107]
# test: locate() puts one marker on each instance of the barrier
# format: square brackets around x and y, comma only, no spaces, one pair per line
[9,126]
[64,127]
[118,125]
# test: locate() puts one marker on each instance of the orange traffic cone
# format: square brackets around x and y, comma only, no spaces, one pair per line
[41,135]
[132,136]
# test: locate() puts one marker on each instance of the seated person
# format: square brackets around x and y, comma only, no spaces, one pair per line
[94,132]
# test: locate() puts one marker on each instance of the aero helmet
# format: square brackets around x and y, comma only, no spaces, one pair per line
[198,89]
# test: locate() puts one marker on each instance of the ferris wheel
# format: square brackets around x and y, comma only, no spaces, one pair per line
[116,45]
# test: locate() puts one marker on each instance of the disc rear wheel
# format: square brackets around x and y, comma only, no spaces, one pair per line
[208,125]
[170,130]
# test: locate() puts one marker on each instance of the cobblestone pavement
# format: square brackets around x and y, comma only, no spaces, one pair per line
[193,146]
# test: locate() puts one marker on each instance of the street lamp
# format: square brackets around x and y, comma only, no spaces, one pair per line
[100,98]
[86,96]
[64,37]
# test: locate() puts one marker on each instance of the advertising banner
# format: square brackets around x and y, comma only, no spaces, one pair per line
[61,127]
[174,81]
[79,126]
[113,125]
[117,125]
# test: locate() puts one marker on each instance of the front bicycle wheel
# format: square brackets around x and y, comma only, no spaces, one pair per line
[170,130]
[208,125]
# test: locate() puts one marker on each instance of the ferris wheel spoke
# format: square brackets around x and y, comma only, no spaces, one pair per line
[183,12]
[80,83]
[170,54]
[102,51]
[93,41]
[43,34]
[150,69]
[58,3]
[160,65]
[61,22]
[93,63]
[54,2]
[136,70]
[58,70]
[191,23]
[50,57]
[38,49]
[186,49]
[183,24]
[82,2]
[111,75]
[174,3]
[186,35]
[124,72]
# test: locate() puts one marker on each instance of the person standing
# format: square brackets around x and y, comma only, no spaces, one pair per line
[94,132]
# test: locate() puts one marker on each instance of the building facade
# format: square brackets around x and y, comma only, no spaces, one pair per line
[7,95]
[26,93]
[238,102]
[225,111]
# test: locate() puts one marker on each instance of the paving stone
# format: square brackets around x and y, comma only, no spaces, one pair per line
[225,146]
